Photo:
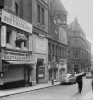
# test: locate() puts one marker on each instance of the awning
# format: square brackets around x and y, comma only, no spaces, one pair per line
[20,62]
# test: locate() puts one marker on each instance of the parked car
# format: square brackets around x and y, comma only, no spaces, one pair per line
[67,78]
[88,75]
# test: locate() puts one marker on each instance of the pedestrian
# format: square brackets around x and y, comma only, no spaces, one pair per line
[80,83]
[52,80]
[92,84]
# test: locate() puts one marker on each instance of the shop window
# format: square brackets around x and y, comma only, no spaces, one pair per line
[8,35]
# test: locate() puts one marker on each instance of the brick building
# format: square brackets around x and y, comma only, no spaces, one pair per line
[79,49]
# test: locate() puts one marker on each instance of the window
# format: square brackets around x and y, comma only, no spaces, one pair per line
[8,35]
[49,49]
[1,4]
[52,49]
[38,13]
[60,52]
[16,8]
[76,54]
[18,44]
[25,43]
[42,16]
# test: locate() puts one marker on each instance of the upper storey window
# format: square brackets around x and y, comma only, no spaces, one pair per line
[1,4]
[16,8]
[8,35]
[40,14]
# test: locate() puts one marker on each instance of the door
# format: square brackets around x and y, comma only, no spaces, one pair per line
[27,75]
[39,63]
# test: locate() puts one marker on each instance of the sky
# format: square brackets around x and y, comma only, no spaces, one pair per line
[83,10]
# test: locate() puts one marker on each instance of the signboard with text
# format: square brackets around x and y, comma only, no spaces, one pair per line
[15,21]
[15,56]
[3,36]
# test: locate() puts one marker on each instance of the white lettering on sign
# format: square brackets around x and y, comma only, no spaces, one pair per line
[30,43]
[15,21]
[15,56]
[3,36]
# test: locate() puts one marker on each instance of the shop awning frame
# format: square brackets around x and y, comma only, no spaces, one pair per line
[20,62]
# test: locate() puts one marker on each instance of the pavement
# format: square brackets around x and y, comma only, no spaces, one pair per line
[8,92]
[88,96]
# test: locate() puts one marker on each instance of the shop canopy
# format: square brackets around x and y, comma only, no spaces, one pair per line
[19,62]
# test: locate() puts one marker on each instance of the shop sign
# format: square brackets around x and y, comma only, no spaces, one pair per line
[16,56]
[3,36]
[30,43]
[41,45]
[15,21]
[62,36]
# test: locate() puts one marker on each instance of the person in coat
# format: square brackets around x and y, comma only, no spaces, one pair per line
[92,84]
[80,83]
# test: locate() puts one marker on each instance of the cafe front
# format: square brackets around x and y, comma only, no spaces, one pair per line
[16,60]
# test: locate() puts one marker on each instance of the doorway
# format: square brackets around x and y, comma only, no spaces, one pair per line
[39,63]
[27,75]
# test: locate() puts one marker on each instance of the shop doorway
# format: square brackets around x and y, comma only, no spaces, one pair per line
[39,63]
[27,75]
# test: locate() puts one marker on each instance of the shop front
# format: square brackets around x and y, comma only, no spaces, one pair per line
[16,51]
[41,58]
[17,68]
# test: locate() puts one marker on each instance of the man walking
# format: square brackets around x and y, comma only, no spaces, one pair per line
[92,84]
[80,83]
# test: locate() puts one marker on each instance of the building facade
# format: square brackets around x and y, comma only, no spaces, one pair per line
[33,13]
[57,37]
[40,42]
[15,46]
[79,49]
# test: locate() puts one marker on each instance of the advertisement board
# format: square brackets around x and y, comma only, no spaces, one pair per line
[3,36]
[15,21]
[41,45]
[62,36]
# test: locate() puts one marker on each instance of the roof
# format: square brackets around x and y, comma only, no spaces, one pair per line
[57,6]
[75,26]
